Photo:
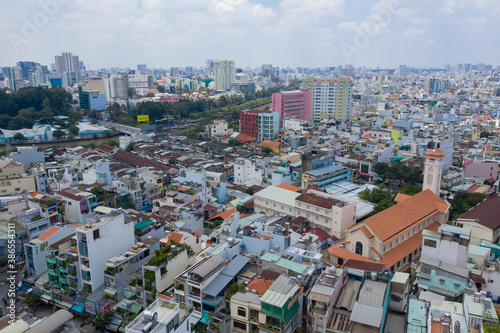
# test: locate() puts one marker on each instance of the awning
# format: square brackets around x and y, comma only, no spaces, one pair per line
[46,298]
[110,292]
[78,308]
[143,224]
[135,308]
[66,305]
[23,289]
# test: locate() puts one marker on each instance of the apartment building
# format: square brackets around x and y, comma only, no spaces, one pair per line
[97,242]
[78,205]
[295,104]
[217,128]
[260,124]
[225,73]
[332,99]
[119,269]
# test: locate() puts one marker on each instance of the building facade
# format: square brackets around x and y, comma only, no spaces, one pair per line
[332,99]
[225,73]
[294,104]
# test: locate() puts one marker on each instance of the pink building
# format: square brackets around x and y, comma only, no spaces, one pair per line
[292,104]
[480,169]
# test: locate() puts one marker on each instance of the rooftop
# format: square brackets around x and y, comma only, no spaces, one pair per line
[485,213]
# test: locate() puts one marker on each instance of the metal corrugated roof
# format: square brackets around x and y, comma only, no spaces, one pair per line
[278,195]
[207,266]
[235,266]
[217,285]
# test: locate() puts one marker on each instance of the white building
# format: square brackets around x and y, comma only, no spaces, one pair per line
[41,180]
[98,173]
[323,210]
[246,170]
[125,140]
[97,242]
[297,125]
[224,74]
[218,128]
[116,87]
[140,81]
[332,99]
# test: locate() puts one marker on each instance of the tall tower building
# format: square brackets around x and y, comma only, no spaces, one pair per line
[332,99]
[15,77]
[433,170]
[67,62]
[225,73]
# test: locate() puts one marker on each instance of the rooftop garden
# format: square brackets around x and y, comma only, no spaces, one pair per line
[164,254]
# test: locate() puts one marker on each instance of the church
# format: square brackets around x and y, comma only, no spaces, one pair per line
[393,237]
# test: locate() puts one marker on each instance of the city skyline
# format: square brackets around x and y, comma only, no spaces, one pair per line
[312,34]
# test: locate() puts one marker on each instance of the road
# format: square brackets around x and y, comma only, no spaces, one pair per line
[122,128]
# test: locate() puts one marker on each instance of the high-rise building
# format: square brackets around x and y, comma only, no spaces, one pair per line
[435,85]
[224,74]
[266,69]
[116,87]
[294,104]
[36,76]
[26,66]
[332,99]
[403,70]
[15,77]
[141,67]
[347,70]
[260,124]
[67,62]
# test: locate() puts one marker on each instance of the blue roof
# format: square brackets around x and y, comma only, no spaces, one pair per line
[327,169]
[217,285]
[235,266]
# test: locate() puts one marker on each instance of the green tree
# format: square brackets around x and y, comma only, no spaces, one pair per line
[249,191]
[73,129]
[93,121]
[131,92]
[410,190]
[102,319]
[58,134]
[32,300]
[19,136]
[234,142]
[266,150]
[161,89]
[130,147]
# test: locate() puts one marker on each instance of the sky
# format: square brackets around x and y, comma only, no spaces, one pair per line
[295,33]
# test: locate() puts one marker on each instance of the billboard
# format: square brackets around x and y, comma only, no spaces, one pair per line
[143,118]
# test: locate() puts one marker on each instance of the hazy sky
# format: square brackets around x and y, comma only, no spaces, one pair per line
[309,33]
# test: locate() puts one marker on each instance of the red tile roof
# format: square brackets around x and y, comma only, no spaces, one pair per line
[49,233]
[322,235]
[317,200]
[289,187]
[486,213]
[259,285]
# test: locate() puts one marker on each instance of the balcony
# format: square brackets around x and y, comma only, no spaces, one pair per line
[52,260]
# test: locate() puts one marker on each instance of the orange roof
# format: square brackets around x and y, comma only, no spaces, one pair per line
[74,250]
[75,225]
[196,233]
[176,237]
[390,222]
[270,144]
[182,189]
[164,297]
[49,233]
[33,194]
[259,285]
[397,253]
[336,251]
[224,215]
[367,233]
[402,197]
[289,187]
[435,153]
[488,148]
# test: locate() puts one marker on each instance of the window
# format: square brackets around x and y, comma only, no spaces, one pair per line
[242,312]
[240,325]
[430,243]
[359,248]
[298,204]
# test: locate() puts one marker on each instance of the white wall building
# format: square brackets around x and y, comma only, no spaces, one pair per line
[98,242]
[224,74]
[217,128]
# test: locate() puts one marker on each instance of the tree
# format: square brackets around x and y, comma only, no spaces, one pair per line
[93,121]
[96,190]
[130,147]
[73,129]
[266,150]
[102,319]
[234,142]
[249,191]
[19,136]
[131,92]
[58,134]
[410,190]
[161,89]
[31,300]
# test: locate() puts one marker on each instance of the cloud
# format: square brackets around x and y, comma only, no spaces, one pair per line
[347,25]
[240,10]
[430,41]
[415,32]
[312,8]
